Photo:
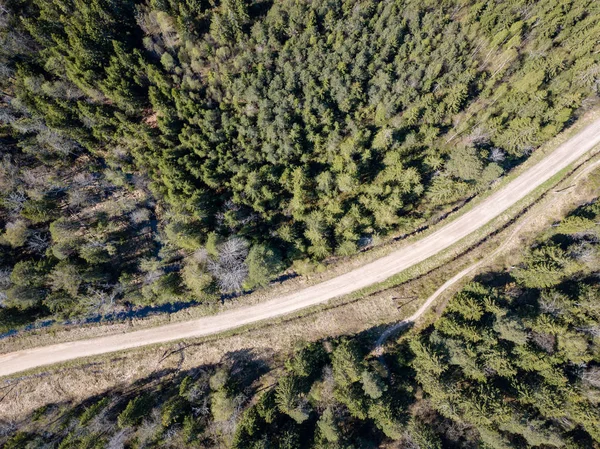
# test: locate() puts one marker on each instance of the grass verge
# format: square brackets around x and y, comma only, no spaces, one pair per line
[369,310]
[60,333]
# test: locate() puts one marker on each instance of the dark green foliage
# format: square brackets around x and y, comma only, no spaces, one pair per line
[88,441]
[519,342]
[167,151]
[507,365]
[135,134]
[174,411]
[17,441]
[289,400]
[347,362]
[308,361]
[92,411]
[136,409]
[263,262]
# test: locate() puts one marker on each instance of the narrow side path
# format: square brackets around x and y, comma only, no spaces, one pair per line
[371,273]
[399,326]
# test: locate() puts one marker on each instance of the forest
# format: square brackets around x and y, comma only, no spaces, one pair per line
[169,151]
[513,362]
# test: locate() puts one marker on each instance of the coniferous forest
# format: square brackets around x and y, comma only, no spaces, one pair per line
[175,151]
[168,151]
[513,362]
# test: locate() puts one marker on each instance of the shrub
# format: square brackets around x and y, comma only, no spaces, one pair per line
[93,410]
[136,410]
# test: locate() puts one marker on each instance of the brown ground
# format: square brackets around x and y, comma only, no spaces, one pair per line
[372,273]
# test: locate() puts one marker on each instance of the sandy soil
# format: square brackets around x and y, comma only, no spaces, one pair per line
[357,279]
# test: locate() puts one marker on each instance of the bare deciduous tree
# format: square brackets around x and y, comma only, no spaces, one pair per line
[139,215]
[552,302]
[7,428]
[5,278]
[153,276]
[15,201]
[497,155]
[57,142]
[9,172]
[544,341]
[594,331]
[103,300]
[148,430]
[38,242]
[479,136]
[200,255]
[78,198]
[591,376]
[5,283]
[229,269]
[28,125]
[83,179]
[6,115]
[365,241]
[118,440]
[203,409]
[584,252]
[38,178]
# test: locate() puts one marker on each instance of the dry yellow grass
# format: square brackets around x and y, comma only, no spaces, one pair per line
[59,333]
[77,381]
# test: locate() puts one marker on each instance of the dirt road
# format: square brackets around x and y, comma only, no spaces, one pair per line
[359,278]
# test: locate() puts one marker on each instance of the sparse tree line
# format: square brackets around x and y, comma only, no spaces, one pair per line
[513,362]
[169,151]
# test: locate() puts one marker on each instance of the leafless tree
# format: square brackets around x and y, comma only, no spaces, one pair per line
[406,442]
[62,90]
[594,331]
[227,428]
[78,198]
[233,250]
[57,142]
[544,341]
[153,276]
[203,409]
[139,215]
[591,376]
[83,179]
[6,115]
[9,173]
[118,440]
[229,269]
[230,279]
[148,430]
[365,241]
[7,428]
[200,255]
[38,179]
[5,278]
[551,302]
[103,300]
[497,155]
[5,283]
[584,252]
[27,125]
[15,201]
[38,242]
[590,77]
[6,71]
[479,136]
